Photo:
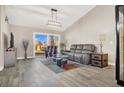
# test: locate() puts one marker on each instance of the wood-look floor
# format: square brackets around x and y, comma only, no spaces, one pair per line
[32,73]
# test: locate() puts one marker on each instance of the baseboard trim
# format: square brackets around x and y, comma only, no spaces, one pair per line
[24,57]
[1,68]
[112,64]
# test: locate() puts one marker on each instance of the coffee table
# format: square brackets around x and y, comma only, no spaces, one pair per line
[60,59]
[61,56]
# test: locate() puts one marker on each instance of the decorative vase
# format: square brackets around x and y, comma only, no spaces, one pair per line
[25,54]
[25,45]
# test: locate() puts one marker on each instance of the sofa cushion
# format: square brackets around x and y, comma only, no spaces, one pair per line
[78,51]
[86,52]
[66,53]
[73,47]
[89,47]
[79,47]
[77,57]
[72,50]
[86,59]
[71,56]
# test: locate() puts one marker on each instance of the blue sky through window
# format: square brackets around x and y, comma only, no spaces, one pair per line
[41,38]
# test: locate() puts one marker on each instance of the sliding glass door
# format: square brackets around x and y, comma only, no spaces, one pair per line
[120,44]
[42,40]
[53,40]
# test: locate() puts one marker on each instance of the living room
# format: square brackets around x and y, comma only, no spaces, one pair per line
[85,40]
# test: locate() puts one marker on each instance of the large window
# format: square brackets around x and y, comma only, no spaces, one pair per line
[40,43]
[43,40]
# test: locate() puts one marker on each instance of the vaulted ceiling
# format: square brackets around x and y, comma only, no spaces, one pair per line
[38,15]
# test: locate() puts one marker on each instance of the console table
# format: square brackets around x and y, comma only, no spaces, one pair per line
[10,58]
[99,59]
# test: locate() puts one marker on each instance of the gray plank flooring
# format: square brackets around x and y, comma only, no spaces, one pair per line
[32,73]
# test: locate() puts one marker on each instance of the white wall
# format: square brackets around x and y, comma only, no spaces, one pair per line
[3,32]
[26,33]
[101,20]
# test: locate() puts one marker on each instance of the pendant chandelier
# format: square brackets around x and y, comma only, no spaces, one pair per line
[54,22]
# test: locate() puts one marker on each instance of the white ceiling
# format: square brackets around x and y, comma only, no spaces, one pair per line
[38,15]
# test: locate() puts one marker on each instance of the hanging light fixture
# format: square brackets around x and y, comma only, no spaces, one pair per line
[54,22]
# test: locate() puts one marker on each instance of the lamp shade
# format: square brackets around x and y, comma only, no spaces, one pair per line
[102,37]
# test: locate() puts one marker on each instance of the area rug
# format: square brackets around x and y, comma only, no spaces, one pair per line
[71,66]
[53,66]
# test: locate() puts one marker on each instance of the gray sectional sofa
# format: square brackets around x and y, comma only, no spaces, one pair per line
[81,52]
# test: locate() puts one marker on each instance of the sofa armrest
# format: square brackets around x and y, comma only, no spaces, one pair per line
[67,51]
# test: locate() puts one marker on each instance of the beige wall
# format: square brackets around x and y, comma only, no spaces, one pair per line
[26,33]
[101,20]
[3,34]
